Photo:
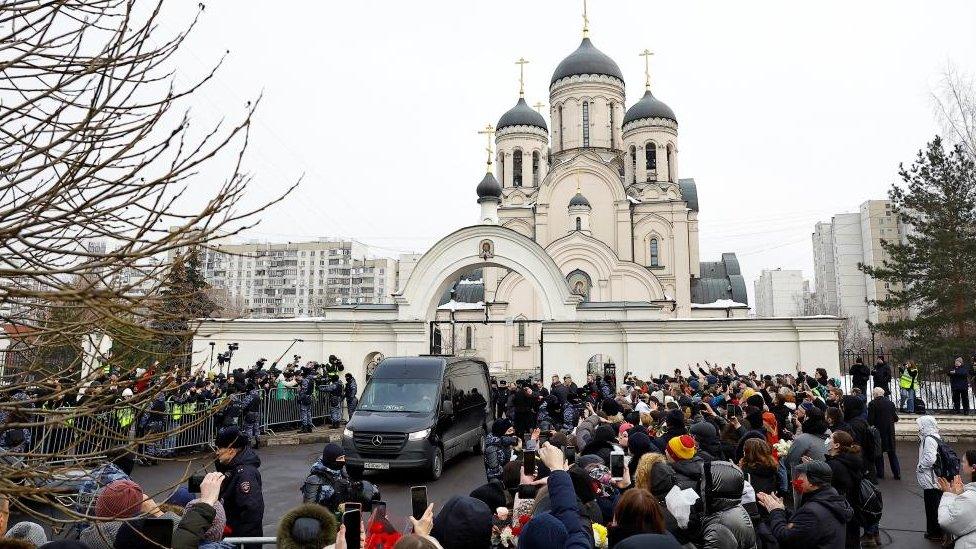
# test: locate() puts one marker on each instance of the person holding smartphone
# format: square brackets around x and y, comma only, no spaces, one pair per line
[499,445]
[204,518]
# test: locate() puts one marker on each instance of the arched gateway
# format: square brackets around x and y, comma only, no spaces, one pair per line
[478,246]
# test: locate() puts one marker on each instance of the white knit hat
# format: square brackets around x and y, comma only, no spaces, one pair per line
[30,532]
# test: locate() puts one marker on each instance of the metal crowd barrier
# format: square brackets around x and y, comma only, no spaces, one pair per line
[190,427]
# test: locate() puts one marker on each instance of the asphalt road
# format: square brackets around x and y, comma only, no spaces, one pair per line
[284,468]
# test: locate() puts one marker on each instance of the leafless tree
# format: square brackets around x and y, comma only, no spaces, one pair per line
[955,108]
[96,146]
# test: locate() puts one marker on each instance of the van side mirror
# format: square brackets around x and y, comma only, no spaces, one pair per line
[447,408]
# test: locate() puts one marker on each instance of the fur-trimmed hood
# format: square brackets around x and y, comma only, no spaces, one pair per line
[327,525]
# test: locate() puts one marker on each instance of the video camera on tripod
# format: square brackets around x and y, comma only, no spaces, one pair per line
[226,356]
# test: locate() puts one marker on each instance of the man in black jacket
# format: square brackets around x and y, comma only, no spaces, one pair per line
[860,374]
[241,491]
[881,374]
[859,429]
[883,416]
[820,520]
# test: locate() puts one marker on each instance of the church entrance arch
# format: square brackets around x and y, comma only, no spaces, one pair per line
[480,246]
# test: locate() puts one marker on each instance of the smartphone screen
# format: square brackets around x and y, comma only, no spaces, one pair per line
[352,520]
[158,531]
[570,453]
[418,501]
[528,461]
[616,465]
[379,510]
[352,506]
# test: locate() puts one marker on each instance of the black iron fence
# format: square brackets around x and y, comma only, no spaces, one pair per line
[933,387]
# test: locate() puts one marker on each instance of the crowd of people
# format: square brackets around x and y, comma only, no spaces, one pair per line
[704,458]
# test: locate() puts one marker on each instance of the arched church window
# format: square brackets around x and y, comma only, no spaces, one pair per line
[517,168]
[633,164]
[535,168]
[586,123]
[501,167]
[560,127]
[671,175]
[468,337]
[655,254]
[650,160]
[579,224]
[521,334]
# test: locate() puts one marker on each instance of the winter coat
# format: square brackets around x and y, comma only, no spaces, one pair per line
[242,495]
[860,374]
[102,535]
[881,374]
[927,451]
[584,432]
[563,498]
[326,487]
[957,515]
[498,452]
[820,522]
[959,377]
[859,429]
[883,415]
[725,524]
[196,520]
[763,478]
[846,469]
[688,472]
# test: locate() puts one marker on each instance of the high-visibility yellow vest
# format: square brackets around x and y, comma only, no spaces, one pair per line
[125,416]
[907,381]
[177,412]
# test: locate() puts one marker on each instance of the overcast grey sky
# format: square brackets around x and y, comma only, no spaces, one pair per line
[788,112]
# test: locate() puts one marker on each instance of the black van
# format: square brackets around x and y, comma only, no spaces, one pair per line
[417,412]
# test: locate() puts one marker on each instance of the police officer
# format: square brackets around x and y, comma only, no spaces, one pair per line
[241,490]
[154,423]
[351,391]
[328,484]
[332,390]
[305,388]
[251,405]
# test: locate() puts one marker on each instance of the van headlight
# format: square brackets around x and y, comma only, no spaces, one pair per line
[347,432]
[419,435]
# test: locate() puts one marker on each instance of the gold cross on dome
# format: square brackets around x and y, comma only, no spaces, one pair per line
[586,21]
[539,106]
[646,54]
[489,131]
[521,63]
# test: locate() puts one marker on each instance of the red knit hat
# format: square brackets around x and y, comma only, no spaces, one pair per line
[120,499]
[681,448]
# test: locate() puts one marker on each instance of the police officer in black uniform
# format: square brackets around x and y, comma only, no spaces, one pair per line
[241,490]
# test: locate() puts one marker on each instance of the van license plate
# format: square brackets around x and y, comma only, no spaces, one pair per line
[374,465]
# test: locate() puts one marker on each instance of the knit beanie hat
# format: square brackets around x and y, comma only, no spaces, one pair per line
[756,400]
[501,426]
[120,499]
[544,530]
[31,532]
[681,448]
[216,530]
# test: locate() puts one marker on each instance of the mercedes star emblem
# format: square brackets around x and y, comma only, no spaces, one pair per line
[377,440]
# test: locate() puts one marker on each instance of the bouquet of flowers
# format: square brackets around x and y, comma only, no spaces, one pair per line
[600,535]
[783,447]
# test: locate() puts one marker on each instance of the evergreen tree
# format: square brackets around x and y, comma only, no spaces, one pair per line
[201,304]
[932,286]
[170,322]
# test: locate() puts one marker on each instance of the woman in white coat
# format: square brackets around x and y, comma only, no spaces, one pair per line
[928,431]
[957,509]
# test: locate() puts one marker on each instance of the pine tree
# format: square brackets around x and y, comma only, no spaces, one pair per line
[170,323]
[932,286]
[201,304]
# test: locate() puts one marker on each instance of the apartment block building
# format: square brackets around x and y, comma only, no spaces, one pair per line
[298,278]
[839,246]
[780,293]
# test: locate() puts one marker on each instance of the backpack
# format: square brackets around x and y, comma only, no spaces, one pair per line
[946,460]
[870,504]
[875,439]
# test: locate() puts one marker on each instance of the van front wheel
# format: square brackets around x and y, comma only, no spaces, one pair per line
[436,468]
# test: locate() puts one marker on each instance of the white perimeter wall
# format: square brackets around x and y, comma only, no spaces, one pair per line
[768,346]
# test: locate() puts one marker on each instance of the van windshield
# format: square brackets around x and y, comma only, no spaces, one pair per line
[400,395]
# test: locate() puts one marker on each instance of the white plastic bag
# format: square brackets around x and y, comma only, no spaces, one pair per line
[679,502]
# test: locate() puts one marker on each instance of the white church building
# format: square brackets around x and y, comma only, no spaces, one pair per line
[586,253]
